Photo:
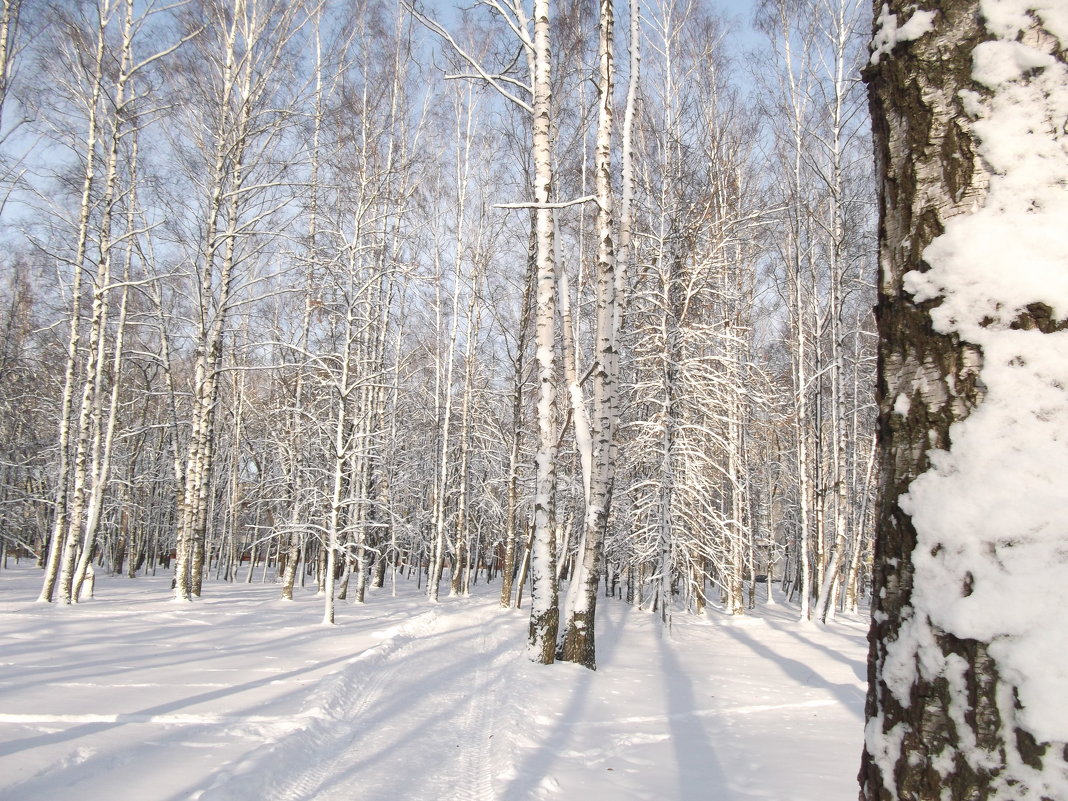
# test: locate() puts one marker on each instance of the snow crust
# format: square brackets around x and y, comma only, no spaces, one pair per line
[992,555]
[888,32]
[243,697]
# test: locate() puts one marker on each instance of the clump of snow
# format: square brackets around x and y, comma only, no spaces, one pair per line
[889,33]
[1000,61]
[884,747]
[992,554]
[1006,18]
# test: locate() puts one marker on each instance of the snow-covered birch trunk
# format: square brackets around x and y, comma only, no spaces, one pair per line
[101,474]
[246,51]
[196,474]
[345,385]
[90,487]
[966,675]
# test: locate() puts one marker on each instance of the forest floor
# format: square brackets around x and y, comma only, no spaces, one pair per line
[243,697]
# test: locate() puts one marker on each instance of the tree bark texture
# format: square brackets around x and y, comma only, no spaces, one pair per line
[942,718]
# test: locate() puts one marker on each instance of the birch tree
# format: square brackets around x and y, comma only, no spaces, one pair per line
[578,640]
[968,104]
[13,35]
[244,50]
[85,439]
[534,34]
[9,21]
[517,358]
[544,599]
[60,528]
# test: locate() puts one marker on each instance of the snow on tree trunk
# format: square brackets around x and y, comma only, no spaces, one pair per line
[966,668]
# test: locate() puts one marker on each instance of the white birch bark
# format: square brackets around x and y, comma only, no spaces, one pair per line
[9,15]
[90,488]
[544,611]
[103,451]
[578,643]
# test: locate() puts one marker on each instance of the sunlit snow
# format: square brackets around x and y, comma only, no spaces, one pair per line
[243,697]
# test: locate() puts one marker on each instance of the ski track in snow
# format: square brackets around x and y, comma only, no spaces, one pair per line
[477,762]
[335,754]
[716,712]
[299,766]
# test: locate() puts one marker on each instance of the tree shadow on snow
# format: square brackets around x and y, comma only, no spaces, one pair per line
[537,765]
[182,704]
[858,666]
[700,774]
[851,697]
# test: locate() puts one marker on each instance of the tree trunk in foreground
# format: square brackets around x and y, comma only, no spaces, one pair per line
[968,629]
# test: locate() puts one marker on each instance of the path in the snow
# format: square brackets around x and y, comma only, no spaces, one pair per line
[242,697]
[415,711]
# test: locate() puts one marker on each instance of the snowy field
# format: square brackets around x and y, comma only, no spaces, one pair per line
[243,697]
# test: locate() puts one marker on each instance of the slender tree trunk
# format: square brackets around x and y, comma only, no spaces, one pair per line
[9,19]
[462,526]
[544,609]
[463,161]
[508,568]
[103,451]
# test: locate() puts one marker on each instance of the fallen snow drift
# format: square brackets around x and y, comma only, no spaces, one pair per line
[243,697]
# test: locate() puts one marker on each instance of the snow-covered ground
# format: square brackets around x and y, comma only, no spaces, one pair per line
[243,697]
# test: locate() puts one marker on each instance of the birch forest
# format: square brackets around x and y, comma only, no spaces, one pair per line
[572,298]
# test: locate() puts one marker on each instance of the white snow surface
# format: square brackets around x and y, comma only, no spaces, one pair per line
[992,555]
[243,697]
